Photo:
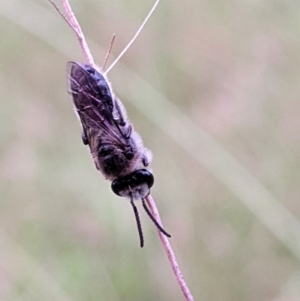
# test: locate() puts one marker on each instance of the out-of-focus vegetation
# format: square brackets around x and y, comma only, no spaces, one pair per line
[213,88]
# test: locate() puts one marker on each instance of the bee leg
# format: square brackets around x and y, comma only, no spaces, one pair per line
[84,138]
[128,132]
[120,120]
[147,157]
[145,161]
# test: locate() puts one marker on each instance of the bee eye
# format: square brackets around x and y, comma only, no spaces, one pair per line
[147,177]
[132,181]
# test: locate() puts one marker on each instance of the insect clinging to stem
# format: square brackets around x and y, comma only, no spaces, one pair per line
[117,149]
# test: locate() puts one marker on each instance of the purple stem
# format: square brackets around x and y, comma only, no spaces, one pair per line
[171,256]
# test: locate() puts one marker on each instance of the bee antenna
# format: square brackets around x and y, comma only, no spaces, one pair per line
[159,227]
[138,222]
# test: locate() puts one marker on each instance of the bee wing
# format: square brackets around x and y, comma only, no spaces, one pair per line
[97,108]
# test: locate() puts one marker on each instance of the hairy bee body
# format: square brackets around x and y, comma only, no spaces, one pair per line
[117,149]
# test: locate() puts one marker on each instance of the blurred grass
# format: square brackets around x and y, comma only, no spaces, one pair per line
[213,89]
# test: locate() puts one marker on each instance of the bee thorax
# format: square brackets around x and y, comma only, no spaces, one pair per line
[115,162]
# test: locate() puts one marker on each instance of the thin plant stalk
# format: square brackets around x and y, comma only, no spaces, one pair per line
[74,24]
[170,253]
[134,37]
[72,21]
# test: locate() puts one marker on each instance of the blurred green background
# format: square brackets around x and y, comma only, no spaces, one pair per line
[213,88]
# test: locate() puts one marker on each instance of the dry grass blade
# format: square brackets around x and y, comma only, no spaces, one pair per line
[169,251]
[135,36]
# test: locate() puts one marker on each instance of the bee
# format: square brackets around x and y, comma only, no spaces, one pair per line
[117,149]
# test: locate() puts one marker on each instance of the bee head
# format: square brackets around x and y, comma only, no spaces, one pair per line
[136,185]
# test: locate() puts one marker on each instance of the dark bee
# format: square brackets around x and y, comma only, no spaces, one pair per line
[117,149]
